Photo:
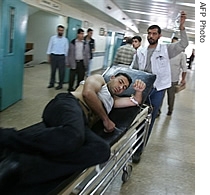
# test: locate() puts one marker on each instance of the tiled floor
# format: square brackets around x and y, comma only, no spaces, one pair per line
[167,165]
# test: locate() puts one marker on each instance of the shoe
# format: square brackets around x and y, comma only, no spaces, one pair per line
[58,87]
[71,89]
[9,173]
[50,86]
[158,114]
[136,157]
[169,113]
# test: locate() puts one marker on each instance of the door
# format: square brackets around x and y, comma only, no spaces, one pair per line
[118,39]
[73,26]
[13,23]
[108,50]
[113,42]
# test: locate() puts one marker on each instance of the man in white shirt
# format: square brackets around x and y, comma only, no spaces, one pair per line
[178,66]
[57,51]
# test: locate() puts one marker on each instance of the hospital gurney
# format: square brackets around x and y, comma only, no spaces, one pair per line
[96,180]
[129,122]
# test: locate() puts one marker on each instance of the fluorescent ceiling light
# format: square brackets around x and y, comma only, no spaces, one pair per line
[145,13]
[189,28]
[186,4]
[189,20]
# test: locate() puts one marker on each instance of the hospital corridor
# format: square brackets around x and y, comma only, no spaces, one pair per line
[81,84]
[167,165]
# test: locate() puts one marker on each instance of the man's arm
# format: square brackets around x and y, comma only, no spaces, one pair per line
[92,86]
[175,48]
[135,100]
[49,49]
[94,46]
[184,69]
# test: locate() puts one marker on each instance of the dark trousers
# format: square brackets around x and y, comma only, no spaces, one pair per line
[66,145]
[57,61]
[79,71]
[189,63]
[171,96]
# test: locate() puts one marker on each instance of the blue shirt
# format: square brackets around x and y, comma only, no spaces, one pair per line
[58,45]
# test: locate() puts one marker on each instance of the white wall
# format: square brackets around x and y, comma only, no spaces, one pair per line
[41,26]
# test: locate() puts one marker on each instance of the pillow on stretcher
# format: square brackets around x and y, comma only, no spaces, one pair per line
[148,78]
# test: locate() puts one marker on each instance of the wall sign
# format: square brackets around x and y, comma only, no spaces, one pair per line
[101,31]
[51,4]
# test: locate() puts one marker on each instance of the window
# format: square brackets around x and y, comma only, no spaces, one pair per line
[11,29]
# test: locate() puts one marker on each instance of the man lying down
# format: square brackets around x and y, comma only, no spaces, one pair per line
[65,144]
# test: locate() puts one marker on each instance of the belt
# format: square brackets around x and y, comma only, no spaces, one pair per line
[79,60]
[57,54]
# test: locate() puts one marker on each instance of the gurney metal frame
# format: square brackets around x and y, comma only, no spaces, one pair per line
[96,179]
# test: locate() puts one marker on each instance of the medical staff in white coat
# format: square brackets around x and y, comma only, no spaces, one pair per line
[155,59]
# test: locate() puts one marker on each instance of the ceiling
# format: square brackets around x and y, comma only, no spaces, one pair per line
[137,15]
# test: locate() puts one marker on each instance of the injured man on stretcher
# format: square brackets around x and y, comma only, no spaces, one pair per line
[65,144]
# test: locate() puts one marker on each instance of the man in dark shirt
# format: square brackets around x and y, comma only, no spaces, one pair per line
[91,48]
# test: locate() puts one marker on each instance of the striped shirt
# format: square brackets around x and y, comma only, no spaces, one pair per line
[124,55]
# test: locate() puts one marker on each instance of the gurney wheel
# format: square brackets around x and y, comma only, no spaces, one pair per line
[126,173]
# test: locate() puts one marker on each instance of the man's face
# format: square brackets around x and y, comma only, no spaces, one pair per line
[118,84]
[90,33]
[80,36]
[136,44]
[153,36]
[60,32]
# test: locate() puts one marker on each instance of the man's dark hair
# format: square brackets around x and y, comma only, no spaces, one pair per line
[60,26]
[125,75]
[137,37]
[80,31]
[154,27]
[89,30]
[129,40]
[175,38]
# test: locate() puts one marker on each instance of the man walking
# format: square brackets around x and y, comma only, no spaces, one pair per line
[155,59]
[178,66]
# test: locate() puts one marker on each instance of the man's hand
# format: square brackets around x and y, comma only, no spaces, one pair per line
[183,82]
[182,20]
[122,102]
[139,85]
[108,125]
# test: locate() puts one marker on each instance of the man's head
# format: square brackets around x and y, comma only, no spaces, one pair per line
[80,34]
[129,40]
[60,30]
[90,32]
[119,83]
[136,41]
[153,34]
[174,39]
